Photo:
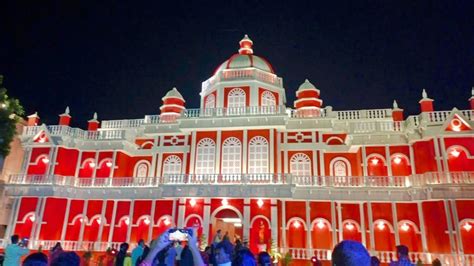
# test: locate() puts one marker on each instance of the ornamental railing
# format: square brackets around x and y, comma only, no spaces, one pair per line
[234,111]
[420,180]
[241,74]
[78,133]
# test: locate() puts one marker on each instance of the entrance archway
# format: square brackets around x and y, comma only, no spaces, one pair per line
[229,220]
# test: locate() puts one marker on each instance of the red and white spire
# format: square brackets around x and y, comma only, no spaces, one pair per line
[246,45]
[308,103]
[173,105]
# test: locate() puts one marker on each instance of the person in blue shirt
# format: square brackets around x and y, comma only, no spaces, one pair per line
[15,251]
[138,251]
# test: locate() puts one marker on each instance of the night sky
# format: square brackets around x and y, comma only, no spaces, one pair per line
[119,59]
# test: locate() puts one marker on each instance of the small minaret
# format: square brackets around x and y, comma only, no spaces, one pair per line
[397,113]
[93,124]
[471,100]
[65,118]
[246,45]
[173,105]
[307,101]
[426,104]
[33,120]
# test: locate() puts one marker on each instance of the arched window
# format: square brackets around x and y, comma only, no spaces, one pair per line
[210,102]
[268,99]
[172,165]
[300,165]
[258,155]
[236,101]
[231,156]
[340,167]
[205,157]
[141,169]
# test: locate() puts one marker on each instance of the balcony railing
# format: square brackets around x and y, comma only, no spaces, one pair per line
[242,74]
[234,111]
[78,133]
[431,178]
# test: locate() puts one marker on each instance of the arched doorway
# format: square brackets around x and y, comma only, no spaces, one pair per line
[260,234]
[229,220]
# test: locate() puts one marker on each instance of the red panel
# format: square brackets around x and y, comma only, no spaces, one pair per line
[424,156]
[66,162]
[54,212]
[436,224]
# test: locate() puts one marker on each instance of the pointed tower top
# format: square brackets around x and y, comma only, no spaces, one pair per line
[33,115]
[395,104]
[94,118]
[424,94]
[246,45]
[472,91]
[173,93]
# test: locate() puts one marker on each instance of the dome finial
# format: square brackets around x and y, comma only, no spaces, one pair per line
[424,94]
[472,91]
[395,104]
[94,116]
[66,112]
[246,45]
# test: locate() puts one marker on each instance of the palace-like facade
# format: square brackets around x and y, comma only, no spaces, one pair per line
[294,179]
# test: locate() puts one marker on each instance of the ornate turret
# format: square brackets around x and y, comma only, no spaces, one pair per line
[308,103]
[65,118]
[426,104]
[173,105]
[397,113]
[246,45]
[93,124]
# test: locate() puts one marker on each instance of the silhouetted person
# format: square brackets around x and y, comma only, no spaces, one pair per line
[402,254]
[436,262]
[36,259]
[374,261]
[66,259]
[264,259]
[350,253]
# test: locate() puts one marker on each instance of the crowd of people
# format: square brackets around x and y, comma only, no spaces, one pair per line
[164,251]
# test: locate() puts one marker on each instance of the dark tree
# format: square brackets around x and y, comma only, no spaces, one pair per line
[10,113]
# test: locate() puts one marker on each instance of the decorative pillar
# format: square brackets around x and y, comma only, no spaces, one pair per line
[79,163]
[412,159]
[283,223]
[437,155]
[395,223]
[285,153]
[444,158]
[26,160]
[217,168]
[456,226]
[371,225]
[193,153]
[65,220]
[278,148]
[246,220]
[333,223]
[39,219]
[450,227]
[102,221]
[52,161]
[322,165]
[388,161]
[206,218]
[84,221]
[173,212]
[13,218]
[112,223]
[96,162]
[152,220]
[363,231]
[309,242]
[112,168]
[245,146]
[130,217]
[339,221]
[421,217]
[274,220]
[364,161]
[271,156]
[181,212]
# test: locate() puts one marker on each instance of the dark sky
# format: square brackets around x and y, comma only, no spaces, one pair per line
[120,58]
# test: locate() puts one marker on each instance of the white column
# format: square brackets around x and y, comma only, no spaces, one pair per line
[388,161]
[65,220]
[245,147]
[395,223]
[421,217]
[13,218]
[79,163]
[371,225]
[246,219]
[102,220]
[456,226]
[285,153]
[450,226]
[206,218]
[333,223]
[315,162]
[364,162]
[173,212]
[26,160]
[274,221]
[322,169]
[412,159]
[159,171]
[130,217]
[283,223]
[339,222]
[96,161]
[112,223]
[84,221]
[272,151]
[193,153]
[362,224]
[309,242]
[444,157]
[39,219]
[152,220]
[112,168]
[154,156]
[217,168]
[278,148]
[185,162]
[52,161]
[437,155]
[181,212]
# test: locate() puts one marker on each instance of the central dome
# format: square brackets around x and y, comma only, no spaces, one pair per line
[245,59]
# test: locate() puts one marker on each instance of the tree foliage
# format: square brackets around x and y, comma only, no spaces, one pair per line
[10,113]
